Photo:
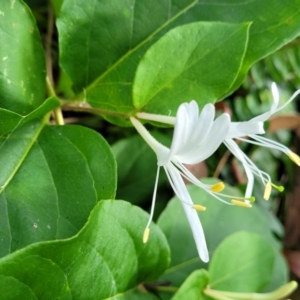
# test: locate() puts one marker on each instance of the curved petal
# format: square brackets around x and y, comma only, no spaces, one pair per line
[240,129]
[275,94]
[181,129]
[204,123]
[209,144]
[191,214]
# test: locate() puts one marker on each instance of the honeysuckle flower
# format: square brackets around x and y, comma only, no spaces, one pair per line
[250,132]
[195,138]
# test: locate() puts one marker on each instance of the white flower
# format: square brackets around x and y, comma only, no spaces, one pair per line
[195,138]
[252,129]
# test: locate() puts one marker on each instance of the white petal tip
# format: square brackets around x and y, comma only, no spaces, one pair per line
[205,258]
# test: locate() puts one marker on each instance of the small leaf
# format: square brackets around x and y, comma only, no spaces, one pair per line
[195,61]
[49,185]
[193,286]
[22,61]
[106,259]
[243,262]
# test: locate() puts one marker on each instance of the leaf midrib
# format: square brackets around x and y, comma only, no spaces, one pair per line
[95,82]
[25,153]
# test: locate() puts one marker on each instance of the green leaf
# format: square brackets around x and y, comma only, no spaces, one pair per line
[12,289]
[189,63]
[193,286]
[219,220]
[243,262]
[269,31]
[9,120]
[22,61]
[49,185]
[106,259]
[101,57]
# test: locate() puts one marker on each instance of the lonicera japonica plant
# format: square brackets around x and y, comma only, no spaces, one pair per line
[63,233]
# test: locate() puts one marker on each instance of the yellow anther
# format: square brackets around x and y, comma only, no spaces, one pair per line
[146,235]
[268,190]
[199,207]
[294,157]
[241,203]
[218,187]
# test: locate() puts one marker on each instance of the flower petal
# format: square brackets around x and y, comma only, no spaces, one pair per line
[240,129]
[191,214]
[207,146]
[204,123]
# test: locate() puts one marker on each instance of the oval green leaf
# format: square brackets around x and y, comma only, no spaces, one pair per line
[52,181]
[243,262]
[195,61]
[107,259]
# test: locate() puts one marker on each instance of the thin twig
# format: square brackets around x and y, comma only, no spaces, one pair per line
[221,163]
[48,45]
[58,116]
[85,108]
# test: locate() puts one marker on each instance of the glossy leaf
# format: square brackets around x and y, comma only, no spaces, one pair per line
[91,265]
[219,220]
[243,262]
[189,63]
[193,286]
[12,289]
[51,178]
[268,31]
[101,57]
[22,61]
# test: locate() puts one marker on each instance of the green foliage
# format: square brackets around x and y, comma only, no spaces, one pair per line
[241,264]
[188,69]
[60,238]
[110,53]
[51,183]
[218,221]
[90,265]
[22,61]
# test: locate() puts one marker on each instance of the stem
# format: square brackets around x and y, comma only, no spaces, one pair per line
[48,45]
[58,116]
[169,289]
[84,107]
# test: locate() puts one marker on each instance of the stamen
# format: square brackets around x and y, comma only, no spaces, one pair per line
[241,203]
[280,188]
[218,187]
[294,157]
[199,207]
[268,190]
[146,235]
